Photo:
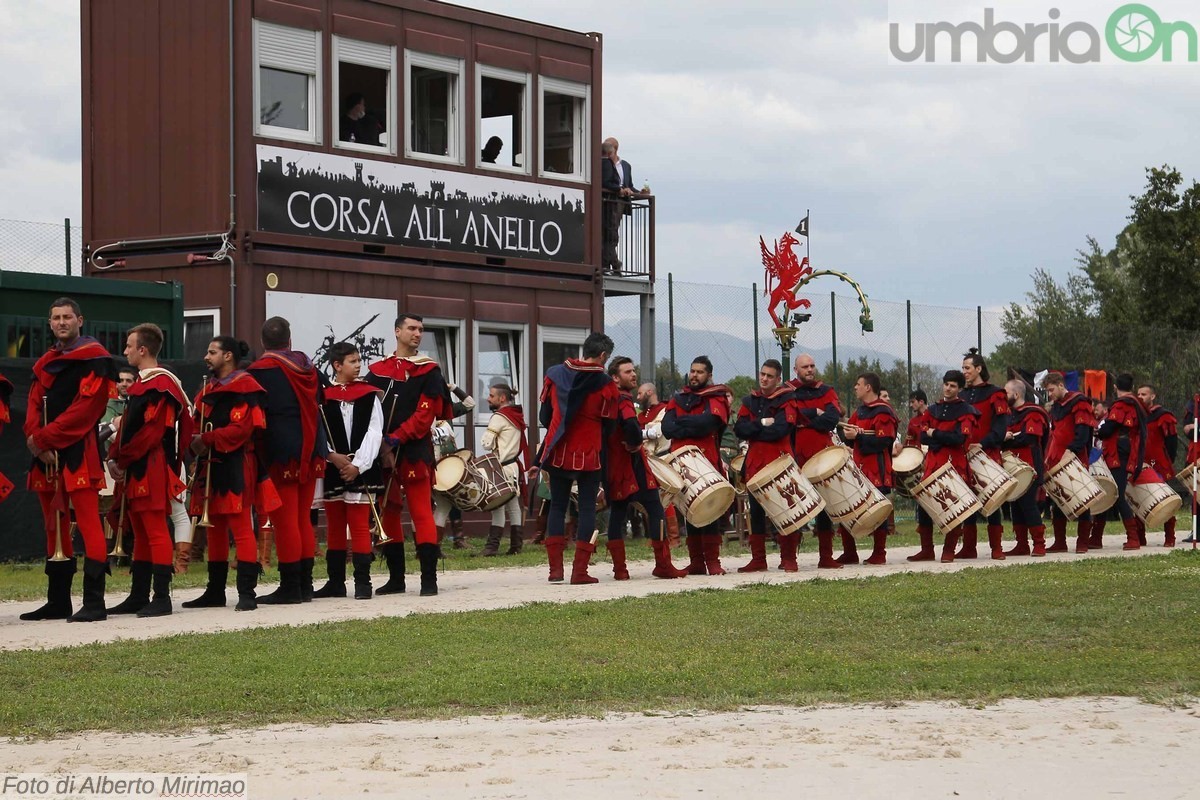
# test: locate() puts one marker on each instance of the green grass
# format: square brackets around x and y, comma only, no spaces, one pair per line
[1094,627]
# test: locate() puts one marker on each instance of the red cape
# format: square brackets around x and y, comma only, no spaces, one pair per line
[303,379]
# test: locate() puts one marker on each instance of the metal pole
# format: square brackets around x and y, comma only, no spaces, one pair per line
[67,231]
[908,316]
[979,328]
[832,325]
[671,323]
[754,306]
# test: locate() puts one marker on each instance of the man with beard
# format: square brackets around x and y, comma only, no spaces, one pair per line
[1071,424]
[71,387]
[871,429]
[1027,436]
[1162,443]
[951,423]
[228,414]
[818,412]
[765,422]
[505,437]
[1123,440]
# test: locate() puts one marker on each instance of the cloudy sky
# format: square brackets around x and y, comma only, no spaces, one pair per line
[942,184]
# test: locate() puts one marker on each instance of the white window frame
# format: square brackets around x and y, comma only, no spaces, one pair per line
[199,313]
[366,54]
[553,334]
[582,130]
[452,372]
[524,78]
[520,352]
[456,126]
[261,59]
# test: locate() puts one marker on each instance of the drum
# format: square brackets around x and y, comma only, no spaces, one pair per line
[1072,487]
[1105,478]
[706,494]
[1152,500]
[851,500]
[990,482]
[1185,476]
[473,484]
[946,497]
[785,494]
[736,476]
[670,485]
[1021,472]
[908,467]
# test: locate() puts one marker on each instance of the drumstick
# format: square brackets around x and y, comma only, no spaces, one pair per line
[595,536]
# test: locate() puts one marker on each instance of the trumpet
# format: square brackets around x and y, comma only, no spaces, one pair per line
[204,521]
[378,521]
[58,488]
[119,534]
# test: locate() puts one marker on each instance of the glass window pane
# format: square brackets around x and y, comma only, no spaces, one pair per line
[494,362]
[561,121]
[502,115]
[556,353]
[198,332]
[363,93]
[432,110]
[284,97]
[436,345]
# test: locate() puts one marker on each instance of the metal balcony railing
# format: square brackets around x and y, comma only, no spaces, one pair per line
[632,220]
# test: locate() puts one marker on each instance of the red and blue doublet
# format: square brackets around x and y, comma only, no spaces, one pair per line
[1123,434]
[698,417]
[992,404]
[627,472]
[765,442]
[916,426]
[577,397]
[817,414]
[873,447]
[951,423]
[1072,423]
[1030,427]
[228,416]
[1162,441]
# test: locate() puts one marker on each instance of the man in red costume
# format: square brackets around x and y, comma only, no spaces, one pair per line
[578,400]
[1190,415]
[871,429]
[765,421]
[697,415]
[147,457]
[6,389]
[1072,423]
[415,396]
[1123,440]
[1162,443]
[992,404]
[818,412]
[292,448]
[228,414]
[1027,436]
[650,418]
[628,479]
[951,423]
[918,420]
[68,397]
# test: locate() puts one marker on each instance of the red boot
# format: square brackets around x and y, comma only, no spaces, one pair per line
[1096,537]
[996,541]
[1060,536]
[695,545]
[787,552]
[948,546]
[1131,536]
[879,551]
[1081,536]
[712,554]
[758,554]
[1141,528]
[555,545]
[663,568]
[1038,534]
[926,552]
[970,542]
[849,549]
[825,558]
[1169,530]
[579,567]
[1021,548]
[616,551]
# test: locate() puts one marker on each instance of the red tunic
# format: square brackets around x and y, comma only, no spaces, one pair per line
[992,404]
[1066,415]
[577,396]
[950,427]
[817,414]
[227,416]
[1123,449]
[1030,426]
[147,446]
[415,396]
[627,472]
[873,451]
[698,417]
[1161,440]
[6,486]
[916,426]
[289,443]
[766,442]
[651,414]
[1189,418]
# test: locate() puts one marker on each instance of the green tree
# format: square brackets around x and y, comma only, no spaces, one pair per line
[741,386]
[666,378]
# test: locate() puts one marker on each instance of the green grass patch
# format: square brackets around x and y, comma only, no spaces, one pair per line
[1094,627]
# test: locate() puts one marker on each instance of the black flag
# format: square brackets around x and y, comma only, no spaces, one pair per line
[802,228]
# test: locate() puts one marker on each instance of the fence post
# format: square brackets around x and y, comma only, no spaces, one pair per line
[754,306]
[67,230]
[908,321]
[833,331]
[671,323]
[979,329]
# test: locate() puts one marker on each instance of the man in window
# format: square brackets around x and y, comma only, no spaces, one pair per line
[491,150]
[616,177]
[358,125]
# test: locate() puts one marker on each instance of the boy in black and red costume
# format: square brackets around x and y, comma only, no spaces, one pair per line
[1123,439]
[1027,437]
[228,415]
[630,480]
[578,401]
[697,415]
[990,429]
[818,412]
[872,430]
[1162,444]
[415,396]
[765,421]
[951,423]
[67,399]
[292,450]
[1072,423]
[147,456]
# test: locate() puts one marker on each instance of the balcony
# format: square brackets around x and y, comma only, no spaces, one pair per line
[634,246]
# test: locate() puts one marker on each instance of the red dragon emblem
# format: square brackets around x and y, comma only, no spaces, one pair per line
[783,267]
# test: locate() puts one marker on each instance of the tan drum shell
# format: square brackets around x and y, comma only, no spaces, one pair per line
[774,487]
[1022,473]
[1108,484]
[946,498]
[480,485]
[706,494]
[670,485]
[1072,487]
[851,500]
[1185,475]
[990,482]
[908,467]
[736,476]
[1154,503]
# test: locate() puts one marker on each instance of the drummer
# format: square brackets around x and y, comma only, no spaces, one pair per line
[1027,436]
[650,414]
[765,422]
[1071,426]
[918,422]
[989,432]
[1162,443]
[817,414]
[1123,440]
[951,424]
[871,430]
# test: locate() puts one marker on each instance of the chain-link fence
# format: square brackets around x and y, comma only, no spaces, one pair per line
[43,247]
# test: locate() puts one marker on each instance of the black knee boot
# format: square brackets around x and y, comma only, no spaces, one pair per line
[427,554]
[335,565]
[59,576]
[288,592]
[214,593]
[393,554]
[362,575]
[139,590]
[247,579]
[160,603]
[306,579]
[93,592]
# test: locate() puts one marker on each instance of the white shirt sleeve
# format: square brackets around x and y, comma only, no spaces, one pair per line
[369,448]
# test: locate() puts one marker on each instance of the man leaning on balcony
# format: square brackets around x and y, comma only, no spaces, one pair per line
[617,182]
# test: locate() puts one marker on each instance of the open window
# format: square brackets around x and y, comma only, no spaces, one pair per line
[287,82]
[433,118]
[502,118]
[362,73]
[564,113]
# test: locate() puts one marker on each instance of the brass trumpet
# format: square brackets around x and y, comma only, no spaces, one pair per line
[119,534]
[58,488]
[204,521]
[383,537]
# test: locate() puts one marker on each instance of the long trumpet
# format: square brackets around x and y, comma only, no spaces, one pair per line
[119,534]
[383,537]
[199,522]
[58,488]
[205,522]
